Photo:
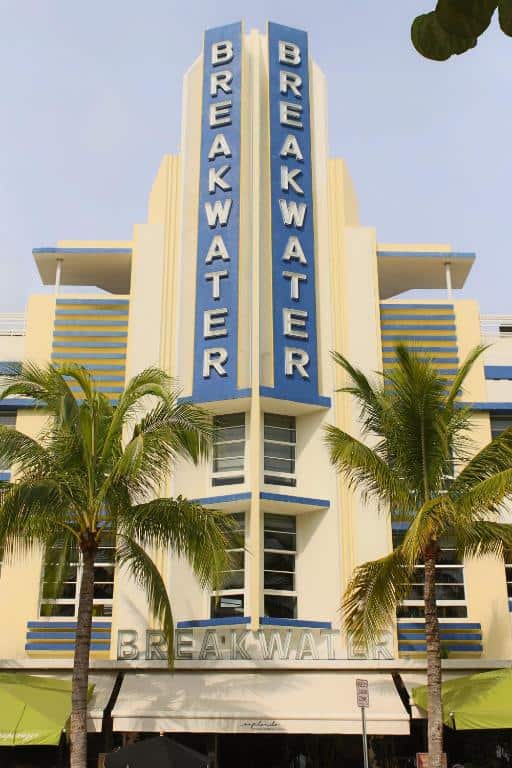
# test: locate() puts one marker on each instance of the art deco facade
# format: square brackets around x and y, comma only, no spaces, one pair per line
[251,267]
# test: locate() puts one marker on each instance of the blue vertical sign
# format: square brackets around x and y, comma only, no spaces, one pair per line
[293,245]
[216,318]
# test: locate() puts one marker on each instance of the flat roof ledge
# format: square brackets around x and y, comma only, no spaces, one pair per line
[405,270]
[104,267]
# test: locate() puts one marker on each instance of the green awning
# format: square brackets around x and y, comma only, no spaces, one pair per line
[476,701]
[33,710]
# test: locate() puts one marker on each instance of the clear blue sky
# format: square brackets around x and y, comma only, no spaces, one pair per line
[91,100]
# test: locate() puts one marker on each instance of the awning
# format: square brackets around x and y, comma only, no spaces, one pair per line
[474,702]
[252,702]
[412,680]
[34,709]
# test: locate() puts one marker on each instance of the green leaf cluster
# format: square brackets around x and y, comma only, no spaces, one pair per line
[455,26]
[96,474]
[416,459]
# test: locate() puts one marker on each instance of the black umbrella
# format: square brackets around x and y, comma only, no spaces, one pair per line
[159,752]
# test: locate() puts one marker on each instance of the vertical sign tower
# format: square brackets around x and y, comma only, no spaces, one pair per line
[216,319]
[293,246]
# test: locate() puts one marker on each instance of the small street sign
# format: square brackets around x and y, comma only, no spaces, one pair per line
[363,694]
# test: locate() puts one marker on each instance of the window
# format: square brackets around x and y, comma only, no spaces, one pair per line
[499,424]
[280,437]
[228,449]
[450,592]
[279,551]
[229,600]
[66,604]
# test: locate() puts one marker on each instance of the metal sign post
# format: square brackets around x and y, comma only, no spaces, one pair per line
[363,702]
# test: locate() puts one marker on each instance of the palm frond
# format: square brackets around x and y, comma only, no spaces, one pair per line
[493,458]
[30,513]
[192,531]
[366,471]
[483,538]
[145,573]
[464,370]
[373,594]
[22,450]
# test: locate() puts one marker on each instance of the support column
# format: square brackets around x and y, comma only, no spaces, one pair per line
[448,276]
[58,276]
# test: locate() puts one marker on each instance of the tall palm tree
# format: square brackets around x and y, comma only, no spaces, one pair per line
[420,467]
[94,473]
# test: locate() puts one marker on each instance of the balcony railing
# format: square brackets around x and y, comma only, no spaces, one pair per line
[12,324]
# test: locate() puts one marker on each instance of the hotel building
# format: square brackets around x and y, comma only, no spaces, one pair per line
[251,267]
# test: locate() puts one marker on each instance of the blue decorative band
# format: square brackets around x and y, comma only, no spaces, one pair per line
[226,621]
[267,621]
[295,499]
[223,499]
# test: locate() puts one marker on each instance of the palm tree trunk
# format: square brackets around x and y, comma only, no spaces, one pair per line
[435,712]
[80,679]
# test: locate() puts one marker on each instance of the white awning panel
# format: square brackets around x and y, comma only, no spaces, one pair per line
[103,687]
[251,702]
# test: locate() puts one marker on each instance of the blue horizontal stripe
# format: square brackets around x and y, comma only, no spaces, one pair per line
[402,339]
[505,407]
[224,622]
[497,372]
[63,635]
[471,636]
[223,499]
[443,371]
[432,359]
[100,388]
[416,327]
[66,624]
[90,322]
[417,306]
[110,377]
[450,624]
[90,334]
[418,348]
[15,403]
[294,499]
[87,355]
[267,621]
[89,344]
[446,256]
[451,647]
[101,311]
[5,477]
[64,646]
[385,317]
[100,367]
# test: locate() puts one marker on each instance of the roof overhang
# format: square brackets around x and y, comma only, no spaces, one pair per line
[401,271]
[105,268]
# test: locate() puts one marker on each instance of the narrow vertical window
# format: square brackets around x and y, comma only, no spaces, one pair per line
[280,438]
[229,600]
[279,544]
[228,449]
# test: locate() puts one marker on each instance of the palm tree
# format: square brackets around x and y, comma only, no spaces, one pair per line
[94,474]
[419,435]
